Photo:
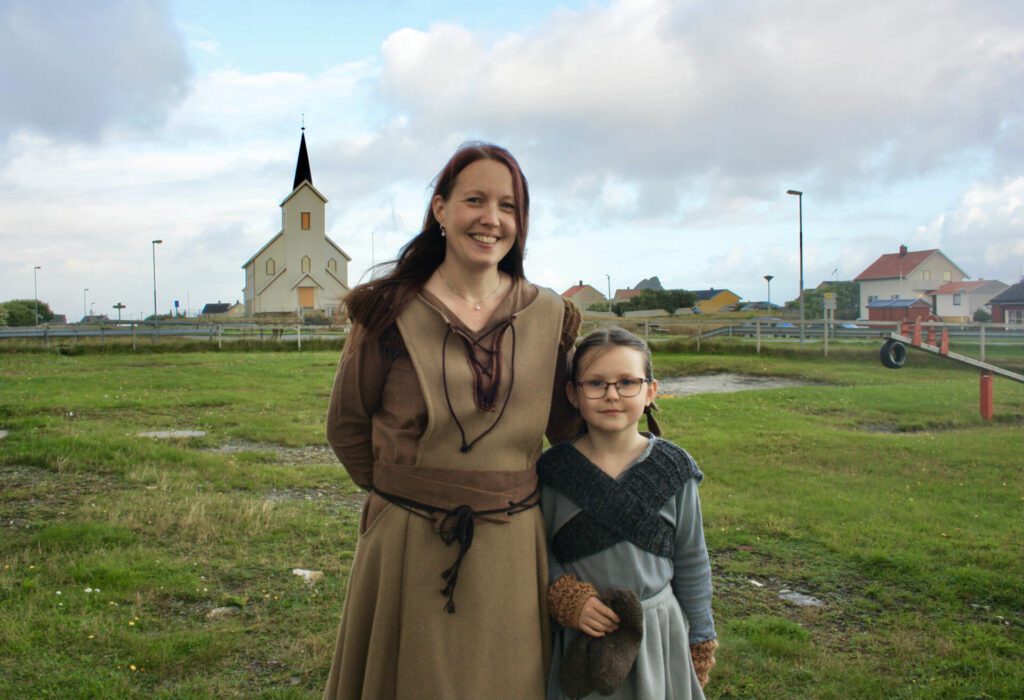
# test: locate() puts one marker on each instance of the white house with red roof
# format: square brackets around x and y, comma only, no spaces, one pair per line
[957,301]
[583,296]
[907,274]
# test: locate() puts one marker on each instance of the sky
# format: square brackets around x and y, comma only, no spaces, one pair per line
[659,137]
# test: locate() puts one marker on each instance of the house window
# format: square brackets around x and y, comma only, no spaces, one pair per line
[894,296]
[305,221]
[271,267]
[947,275]
[872,297]
[1015,315]
[956,299]
[926,274]
[305,263]
[332,265]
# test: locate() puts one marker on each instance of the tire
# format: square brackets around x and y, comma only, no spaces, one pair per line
[893,354]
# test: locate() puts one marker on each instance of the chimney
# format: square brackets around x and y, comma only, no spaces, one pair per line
[581,283]
[903,250]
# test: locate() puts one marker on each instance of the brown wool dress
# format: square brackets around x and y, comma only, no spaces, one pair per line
[402,412]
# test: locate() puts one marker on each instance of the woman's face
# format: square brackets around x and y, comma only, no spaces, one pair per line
[479,216]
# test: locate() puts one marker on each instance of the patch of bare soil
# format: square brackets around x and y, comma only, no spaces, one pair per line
[284,456]
[723,383]
[33,495]
[329,495]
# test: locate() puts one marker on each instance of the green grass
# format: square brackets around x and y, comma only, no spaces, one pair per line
[880,492]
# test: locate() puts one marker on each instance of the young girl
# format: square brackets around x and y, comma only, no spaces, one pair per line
[623,518]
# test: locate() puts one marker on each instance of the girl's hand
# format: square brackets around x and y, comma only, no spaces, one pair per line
[597,619]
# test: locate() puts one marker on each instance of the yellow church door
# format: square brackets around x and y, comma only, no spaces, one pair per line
[306,297]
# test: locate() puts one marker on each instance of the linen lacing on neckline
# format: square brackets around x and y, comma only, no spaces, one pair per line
[486,373]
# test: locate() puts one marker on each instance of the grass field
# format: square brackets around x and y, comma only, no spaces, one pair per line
[879,492]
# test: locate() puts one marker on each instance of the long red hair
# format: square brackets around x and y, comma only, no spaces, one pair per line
[376,304]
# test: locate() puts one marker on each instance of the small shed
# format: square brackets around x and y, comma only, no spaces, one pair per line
[1008,306]
[899,310]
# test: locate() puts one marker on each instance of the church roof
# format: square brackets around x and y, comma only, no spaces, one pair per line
[302,172]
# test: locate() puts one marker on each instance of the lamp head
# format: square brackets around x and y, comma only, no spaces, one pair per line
[796,192]
[157,242]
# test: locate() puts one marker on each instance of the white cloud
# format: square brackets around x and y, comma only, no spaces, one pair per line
[73,69]
[984,235]
[839,92]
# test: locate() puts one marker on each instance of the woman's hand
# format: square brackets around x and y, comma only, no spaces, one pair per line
[597,619]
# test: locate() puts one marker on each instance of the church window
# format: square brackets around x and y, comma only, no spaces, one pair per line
[305,221]
[271,266]
[332,265]
[305,263]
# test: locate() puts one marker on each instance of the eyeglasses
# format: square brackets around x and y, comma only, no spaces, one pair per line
[626,388]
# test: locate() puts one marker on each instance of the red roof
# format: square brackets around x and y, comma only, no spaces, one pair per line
[894,265]
[623,294]
[577,288]
[954,287]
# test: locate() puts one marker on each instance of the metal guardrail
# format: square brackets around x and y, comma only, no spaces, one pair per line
[153,332]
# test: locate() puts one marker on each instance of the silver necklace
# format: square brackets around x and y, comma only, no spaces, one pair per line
[476,304]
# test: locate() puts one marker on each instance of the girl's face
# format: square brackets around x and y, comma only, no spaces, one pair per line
[479,217]
[612,412]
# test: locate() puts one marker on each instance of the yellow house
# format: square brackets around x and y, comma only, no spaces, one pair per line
[713,300]
[300,270]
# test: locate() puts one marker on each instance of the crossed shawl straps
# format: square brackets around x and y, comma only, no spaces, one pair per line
[616,510]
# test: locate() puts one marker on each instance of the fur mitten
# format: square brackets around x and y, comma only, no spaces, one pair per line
[613,655]
[602,663]
[703,655]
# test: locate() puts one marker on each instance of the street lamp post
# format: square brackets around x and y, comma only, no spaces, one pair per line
[800,199]
[609,290]
[35,290]
[768,279]
[155,244]
[85,308]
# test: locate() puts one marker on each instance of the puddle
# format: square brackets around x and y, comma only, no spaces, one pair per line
[723,383]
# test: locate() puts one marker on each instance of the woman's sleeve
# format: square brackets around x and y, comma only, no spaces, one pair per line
[358,386]
[547,508]
[691,580]
[564,421]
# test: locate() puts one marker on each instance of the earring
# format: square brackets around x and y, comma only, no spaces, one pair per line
[443,232]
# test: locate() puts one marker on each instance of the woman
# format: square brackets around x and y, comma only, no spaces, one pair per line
[454,370]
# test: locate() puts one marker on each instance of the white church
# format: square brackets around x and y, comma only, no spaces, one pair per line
[300,270]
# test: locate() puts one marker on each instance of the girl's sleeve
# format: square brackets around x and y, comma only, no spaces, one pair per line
[691,581]
[564,421]
[358,386]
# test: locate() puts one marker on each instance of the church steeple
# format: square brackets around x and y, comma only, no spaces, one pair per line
[302,171]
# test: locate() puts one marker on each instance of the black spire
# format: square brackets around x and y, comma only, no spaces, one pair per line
[302,171]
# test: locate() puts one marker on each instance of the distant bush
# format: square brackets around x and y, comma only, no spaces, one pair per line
[982,316]
[21,312]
